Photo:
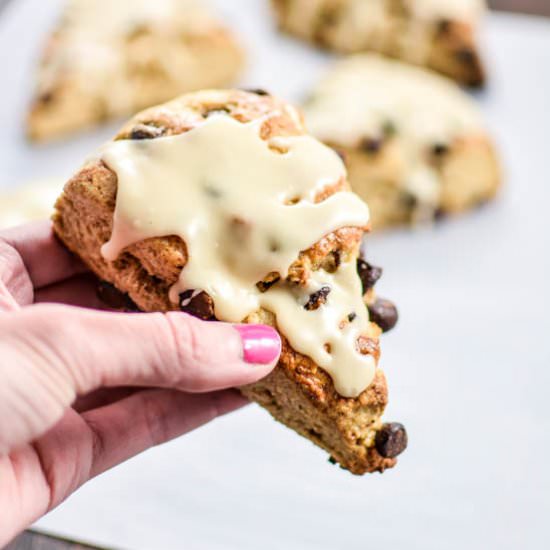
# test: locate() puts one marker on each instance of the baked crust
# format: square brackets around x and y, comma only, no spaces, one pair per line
[149,60]
[469,177]
[393,124]
[298,393]
[443,44]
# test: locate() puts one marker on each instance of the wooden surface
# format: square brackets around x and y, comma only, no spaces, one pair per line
[35,541]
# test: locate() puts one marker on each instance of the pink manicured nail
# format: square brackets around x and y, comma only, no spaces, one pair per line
[261,344]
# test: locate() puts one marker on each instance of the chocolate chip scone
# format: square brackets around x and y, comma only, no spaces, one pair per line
[241,166]
[414,143]
[439,34]
[108,59]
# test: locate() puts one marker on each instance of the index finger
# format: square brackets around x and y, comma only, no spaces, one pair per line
[45,259]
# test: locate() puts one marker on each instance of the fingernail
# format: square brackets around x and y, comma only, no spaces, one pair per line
[261,344]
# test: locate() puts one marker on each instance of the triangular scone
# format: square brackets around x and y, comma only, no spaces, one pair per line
[298,393]
[440,34]
[109,58]
[414,143]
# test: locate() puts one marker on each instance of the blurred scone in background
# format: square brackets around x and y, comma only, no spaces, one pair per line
[109,58]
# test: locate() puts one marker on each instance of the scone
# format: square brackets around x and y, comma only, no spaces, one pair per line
[220,205]
[414,143]
[110,58]
[439,34]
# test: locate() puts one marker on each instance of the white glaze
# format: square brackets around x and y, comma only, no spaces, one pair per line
[376,25]
[227,194]
[363,93]
[96,44]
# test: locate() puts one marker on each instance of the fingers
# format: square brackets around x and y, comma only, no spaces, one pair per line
[15,281]
[92,349]
[80,447]
[7,301]
[54,353]
[149,418]
[38,254]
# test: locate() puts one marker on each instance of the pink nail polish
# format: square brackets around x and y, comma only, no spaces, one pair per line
[261,344]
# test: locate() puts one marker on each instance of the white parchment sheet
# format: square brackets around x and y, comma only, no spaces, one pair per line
[468,366]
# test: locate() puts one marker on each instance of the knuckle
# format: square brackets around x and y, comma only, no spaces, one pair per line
[191,353]
[14,274]
[61,476]
[51,324]
[154,419]
[52,332]
[97,442]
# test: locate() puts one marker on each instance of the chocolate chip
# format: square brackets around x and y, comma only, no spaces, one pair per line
[257,91]
[198,304]
[45,98]
[391,440]
[444,26]
[466,56]
[337,255]
[138,133]
[144,131]
[439,214]
[440,149]
[352,316]
[317,299]
[384,314]
[409,201]
[368,274]
[264,287]
[332,262]
[332,460]
[371,145]
[268,282]
[114,298]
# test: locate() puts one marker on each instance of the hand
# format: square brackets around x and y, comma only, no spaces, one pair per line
[84,390]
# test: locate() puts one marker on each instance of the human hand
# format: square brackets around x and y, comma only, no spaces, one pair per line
[82,390]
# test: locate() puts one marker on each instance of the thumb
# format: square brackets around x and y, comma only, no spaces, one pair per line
[52,353]
[92,349]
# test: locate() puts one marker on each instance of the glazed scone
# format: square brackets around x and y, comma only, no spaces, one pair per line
[414,143]
[30,202]
[229,138]
[439,34]
[108,59]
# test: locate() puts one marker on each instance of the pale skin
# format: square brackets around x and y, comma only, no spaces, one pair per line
[82,390]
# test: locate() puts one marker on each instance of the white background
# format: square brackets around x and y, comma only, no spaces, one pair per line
[469,365]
